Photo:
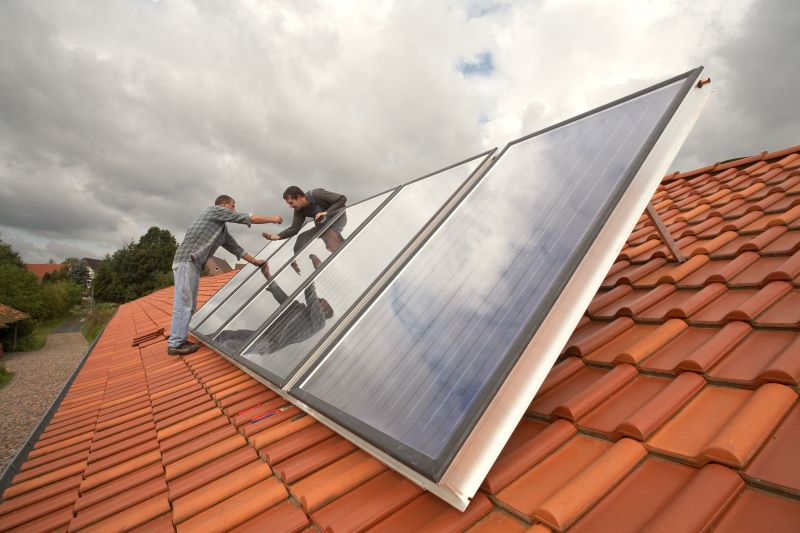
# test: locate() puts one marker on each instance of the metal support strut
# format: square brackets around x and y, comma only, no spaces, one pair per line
[666,237]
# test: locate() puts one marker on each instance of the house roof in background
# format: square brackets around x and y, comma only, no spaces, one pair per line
[9,315]
[94,264]
[673,405]
[41,269]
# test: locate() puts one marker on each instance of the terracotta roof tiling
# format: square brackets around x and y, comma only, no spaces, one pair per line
[40,269]
[674,406]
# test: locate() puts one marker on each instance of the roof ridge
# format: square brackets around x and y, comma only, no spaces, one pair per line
[730,163]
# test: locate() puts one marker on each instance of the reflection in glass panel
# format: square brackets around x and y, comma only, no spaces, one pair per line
[283,346]
[285,251]
[416,364]
[233,336]
[235,282]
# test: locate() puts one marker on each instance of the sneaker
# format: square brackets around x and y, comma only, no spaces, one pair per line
[184,349]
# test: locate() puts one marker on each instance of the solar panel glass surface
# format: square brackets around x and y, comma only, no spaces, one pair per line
[415,371]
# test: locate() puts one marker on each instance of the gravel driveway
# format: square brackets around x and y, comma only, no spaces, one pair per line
[39,376]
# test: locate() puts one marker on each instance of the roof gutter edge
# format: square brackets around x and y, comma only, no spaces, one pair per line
[12,468]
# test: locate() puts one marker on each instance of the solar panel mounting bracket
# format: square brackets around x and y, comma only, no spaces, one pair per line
[663,232]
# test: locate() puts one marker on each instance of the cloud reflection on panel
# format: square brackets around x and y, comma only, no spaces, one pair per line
[289,338]
[416,363]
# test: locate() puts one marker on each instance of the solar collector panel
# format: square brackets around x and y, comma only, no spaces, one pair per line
[350,273]
[234,334]
[282,253]
[413,373]
[222,295]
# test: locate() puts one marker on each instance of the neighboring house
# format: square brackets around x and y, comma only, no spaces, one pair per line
[673,407]
[93,264]
[215,266]
[9,318]
[41,269]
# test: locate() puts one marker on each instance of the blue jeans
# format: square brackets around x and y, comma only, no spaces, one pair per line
[187,280]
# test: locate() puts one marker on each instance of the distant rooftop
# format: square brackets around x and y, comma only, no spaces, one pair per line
[41,269]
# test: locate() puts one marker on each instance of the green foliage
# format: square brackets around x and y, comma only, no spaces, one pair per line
[79,273]
[5,376]
[60,297]
[9,256]
[137,269]
[96,320]
[21,290]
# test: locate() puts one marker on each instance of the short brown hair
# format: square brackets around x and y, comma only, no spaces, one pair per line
[293,192]
[223,199]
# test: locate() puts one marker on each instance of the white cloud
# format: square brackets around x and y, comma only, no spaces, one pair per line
[121,115]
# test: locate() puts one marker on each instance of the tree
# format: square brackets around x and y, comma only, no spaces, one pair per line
[20,289]
[137,269]
[9,256]
[79,273]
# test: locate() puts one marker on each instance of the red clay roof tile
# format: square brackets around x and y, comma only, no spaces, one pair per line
[215,491]
[785,312]
[335,479]
[757,511]
[700,501]
[133,516]
[778,464]
[577,495]
[627,343]
[583,344]
[741,422]
[531,442]
[24,515]
[206,455]
[210,471]
[237,509]
[498,522]
[285,516]
[294,443]
[132,410]
[56,520]
[314,458]
[366,505]
[111,505]
[427,513]
[197,444]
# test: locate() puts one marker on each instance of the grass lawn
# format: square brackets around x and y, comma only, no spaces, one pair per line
[36,340]
[96,320]
[5,377]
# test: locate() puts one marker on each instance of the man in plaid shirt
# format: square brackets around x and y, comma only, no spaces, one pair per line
[202,239]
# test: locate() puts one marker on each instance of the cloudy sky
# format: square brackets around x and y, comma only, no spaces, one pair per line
[118,115]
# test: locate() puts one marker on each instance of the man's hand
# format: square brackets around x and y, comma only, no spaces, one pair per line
[265,270]
[315,261]
[319,217]
[253,261]
[296,267]
[270,236]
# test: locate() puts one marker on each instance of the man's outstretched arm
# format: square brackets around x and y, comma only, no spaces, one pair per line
[261,219]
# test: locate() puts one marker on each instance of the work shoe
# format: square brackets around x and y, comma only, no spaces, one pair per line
[184,349]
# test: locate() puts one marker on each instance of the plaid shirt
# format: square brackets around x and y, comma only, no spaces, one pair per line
[207,233]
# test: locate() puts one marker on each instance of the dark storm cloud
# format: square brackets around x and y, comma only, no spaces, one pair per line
[120,115]
[756,79]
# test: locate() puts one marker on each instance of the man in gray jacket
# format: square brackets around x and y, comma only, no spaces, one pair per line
[315,204]
[202,239]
